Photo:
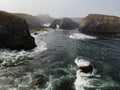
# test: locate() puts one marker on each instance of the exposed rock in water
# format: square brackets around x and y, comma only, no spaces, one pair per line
[86,69]
[35,33]
[65,23]
[14,33]
[102,25]
[40,80]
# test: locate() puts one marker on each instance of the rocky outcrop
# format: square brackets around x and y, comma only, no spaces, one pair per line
[65,23]
[14,33]
[96,24]
[86,69]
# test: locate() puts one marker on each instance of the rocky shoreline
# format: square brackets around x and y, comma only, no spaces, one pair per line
[14,32]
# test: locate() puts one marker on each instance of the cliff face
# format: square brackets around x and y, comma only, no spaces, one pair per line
[14,33]
[64,23]
[32,21]
[97,24]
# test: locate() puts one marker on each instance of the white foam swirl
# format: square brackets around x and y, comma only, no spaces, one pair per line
[14,57]
[81,36]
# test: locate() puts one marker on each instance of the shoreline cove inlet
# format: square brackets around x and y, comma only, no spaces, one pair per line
[55,63]
[59,44]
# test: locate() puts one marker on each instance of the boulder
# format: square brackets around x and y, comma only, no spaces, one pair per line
[65,23]
[103,25]
[86,69]
[14,33]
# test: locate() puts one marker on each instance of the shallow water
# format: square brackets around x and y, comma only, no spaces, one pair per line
[54,59]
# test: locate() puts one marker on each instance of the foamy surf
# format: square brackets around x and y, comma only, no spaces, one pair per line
[91,80]
[81,36]
[14,57]
[82,79]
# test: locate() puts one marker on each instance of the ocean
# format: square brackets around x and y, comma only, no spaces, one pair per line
[51,65]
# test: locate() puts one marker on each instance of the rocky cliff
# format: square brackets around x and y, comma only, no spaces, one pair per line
[97,24]
[32,21]
[65,23]
[14,33]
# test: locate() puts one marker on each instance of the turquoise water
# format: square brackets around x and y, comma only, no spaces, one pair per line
[54,59]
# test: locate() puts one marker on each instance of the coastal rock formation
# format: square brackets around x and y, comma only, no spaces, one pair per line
[14,33]
[103,25]
[65,23]
[84,66]
[32,21]
[86,69]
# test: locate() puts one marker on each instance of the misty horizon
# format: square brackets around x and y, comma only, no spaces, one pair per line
[62,8]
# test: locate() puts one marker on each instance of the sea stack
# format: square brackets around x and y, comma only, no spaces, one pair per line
[14,33]
[65,23]
[84,66]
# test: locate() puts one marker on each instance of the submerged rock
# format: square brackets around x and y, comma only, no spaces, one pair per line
[102,25]
[65,23]
[14,33]
[40,80]
[66,85]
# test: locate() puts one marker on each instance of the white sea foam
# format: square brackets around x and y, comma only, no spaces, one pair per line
[41,45]
[82,79]
[81,62]
[81,36]
[41,33]
[12,57]
[47,24]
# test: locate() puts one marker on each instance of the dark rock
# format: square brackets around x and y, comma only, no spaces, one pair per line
[35,33]
[103,25]
[65,23]
[86,69]
[14,33]
[40,80]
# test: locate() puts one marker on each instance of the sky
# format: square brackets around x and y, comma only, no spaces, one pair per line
[62,8]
